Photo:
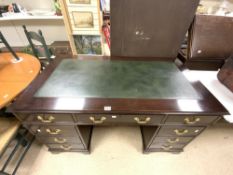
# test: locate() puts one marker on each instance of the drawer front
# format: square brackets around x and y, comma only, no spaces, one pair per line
[190,119]
[59,140]
[164,150]
[46,118]
[172,140]
[119,119]
[166,146]
[66,147]
[52,130]
[170,131]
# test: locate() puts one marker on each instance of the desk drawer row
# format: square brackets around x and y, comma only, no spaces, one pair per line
[169,138]
[62,138]
[97,119]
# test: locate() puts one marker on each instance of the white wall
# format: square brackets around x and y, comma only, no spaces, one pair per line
[53,30]
[31,4]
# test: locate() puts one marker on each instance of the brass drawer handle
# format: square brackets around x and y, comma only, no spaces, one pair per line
[187,120]
[142,121]
[175,140]
[98,121]
[49,120]
[66,147]
[166,147]
[181,132]
[53,131]
[59,140]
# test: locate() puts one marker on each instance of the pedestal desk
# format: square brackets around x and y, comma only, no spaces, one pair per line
[71,96]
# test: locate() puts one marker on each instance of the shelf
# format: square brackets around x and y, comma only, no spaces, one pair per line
[15,18]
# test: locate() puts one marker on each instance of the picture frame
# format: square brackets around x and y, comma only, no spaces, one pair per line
[80,1]
[83,19]
[88,44]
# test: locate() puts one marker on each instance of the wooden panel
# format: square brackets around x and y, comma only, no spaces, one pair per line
[66,147]
[101,119]
[46,118]
[163,150]
[190,119]
[147,134]
[179,131]
[167,146]
[211,37]
[150,28]
[59,139]
[204,64]
[52,130]
[172,140]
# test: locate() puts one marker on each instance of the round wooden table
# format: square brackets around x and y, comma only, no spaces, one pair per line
[15,75]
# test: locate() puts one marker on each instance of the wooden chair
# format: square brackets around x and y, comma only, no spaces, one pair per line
[33,36]
[11,130]
[4,41]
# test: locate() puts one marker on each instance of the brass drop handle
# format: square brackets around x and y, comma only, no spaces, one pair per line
[98,121]
[53,131]
[66,147]
[187,120]
[142,121]
[173,140]
[49,120]
[59,140]
[181,132]
[167,147]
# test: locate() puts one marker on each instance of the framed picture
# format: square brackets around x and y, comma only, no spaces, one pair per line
[88,44]
[80,1]
[83,19]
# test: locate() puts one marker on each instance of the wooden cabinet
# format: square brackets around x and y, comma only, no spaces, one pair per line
[176,132]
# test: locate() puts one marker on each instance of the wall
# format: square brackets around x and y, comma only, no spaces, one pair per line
[53,30]
[31,4]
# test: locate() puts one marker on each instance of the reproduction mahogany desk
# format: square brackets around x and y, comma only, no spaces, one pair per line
[72,95]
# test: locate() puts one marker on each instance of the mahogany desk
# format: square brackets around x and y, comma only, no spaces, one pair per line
[73,95]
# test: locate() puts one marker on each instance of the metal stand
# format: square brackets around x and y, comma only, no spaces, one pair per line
[21,140]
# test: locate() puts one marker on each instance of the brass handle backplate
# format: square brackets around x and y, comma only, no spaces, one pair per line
[192,121]
[59,140]
[142,121]
[181,132]
[98,121]
[66,147]
[176,140]
[49,120]
[166,147]
[53,131]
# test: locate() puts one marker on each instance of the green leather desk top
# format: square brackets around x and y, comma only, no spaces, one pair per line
[117,79]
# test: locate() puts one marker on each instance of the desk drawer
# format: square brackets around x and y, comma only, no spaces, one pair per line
[172,140]
[173,150]
[46,118]
[190,119]
[170,131]
[59,140]
[167,146]
[53,130]
[66,147]
[118,119]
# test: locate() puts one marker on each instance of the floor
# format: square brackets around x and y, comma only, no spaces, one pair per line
[118,150]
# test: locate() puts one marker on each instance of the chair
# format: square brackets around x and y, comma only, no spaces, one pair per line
[4,41]
[33,36]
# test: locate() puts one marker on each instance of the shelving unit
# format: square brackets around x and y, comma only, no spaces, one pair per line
[15,18]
